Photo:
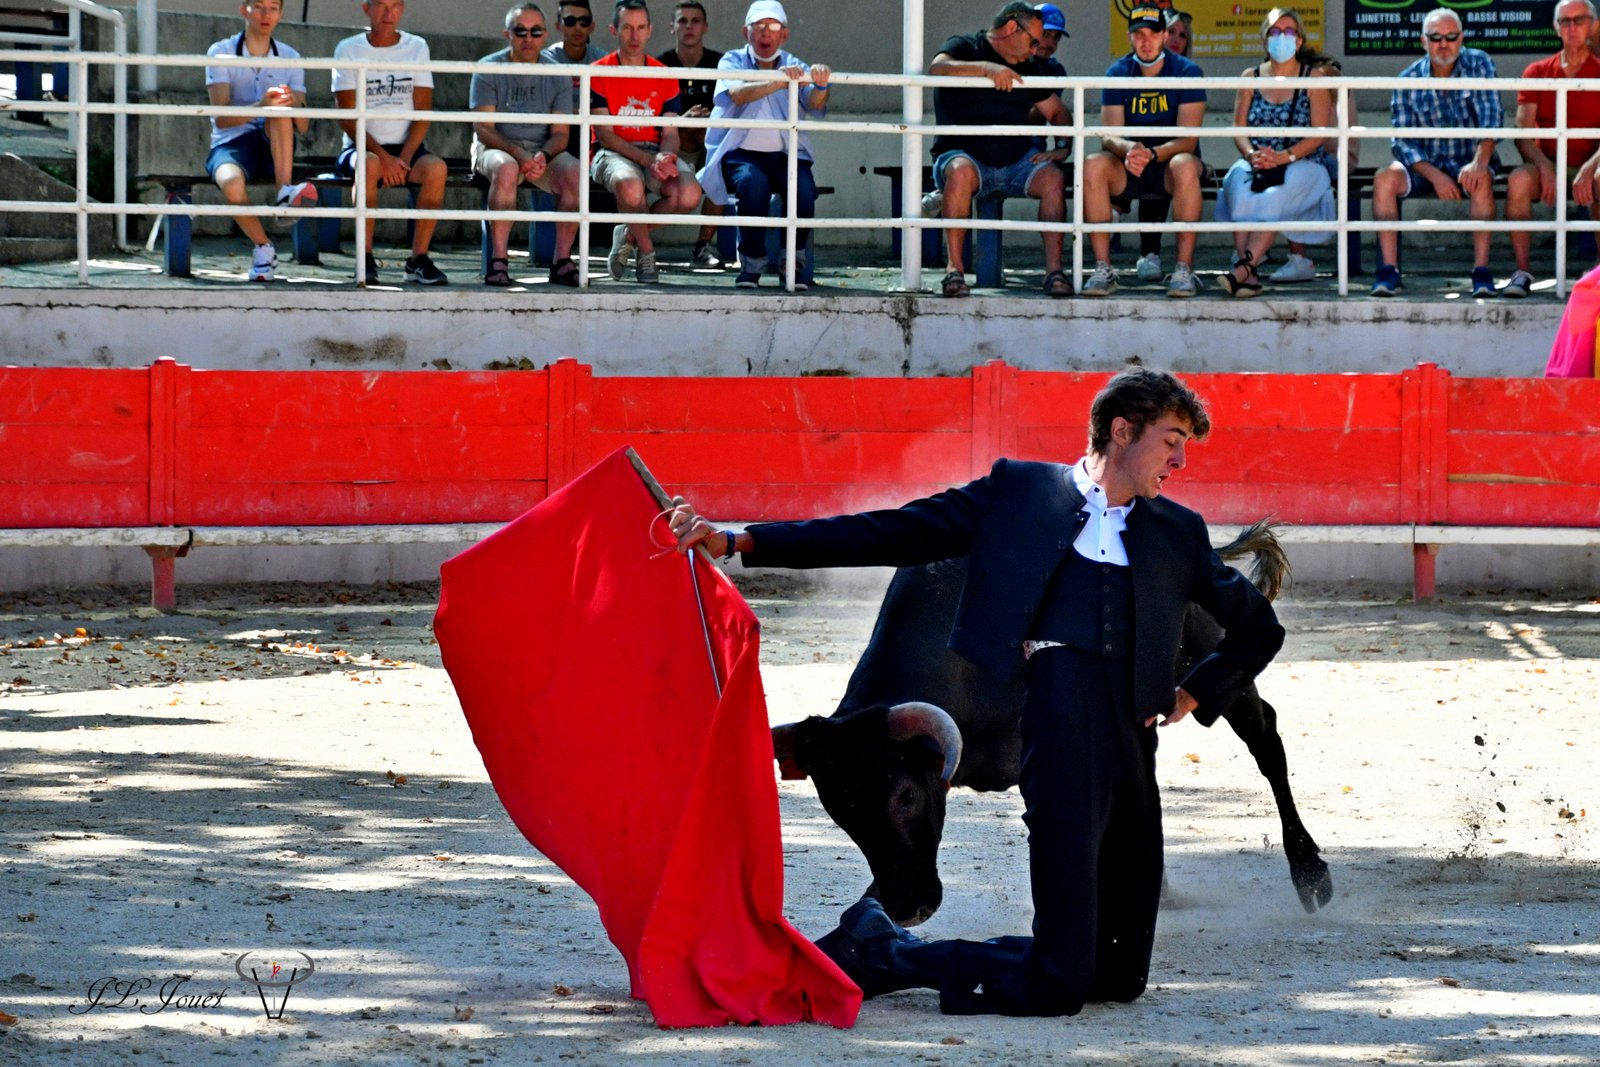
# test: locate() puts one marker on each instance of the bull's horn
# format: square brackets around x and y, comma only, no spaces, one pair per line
[916,719]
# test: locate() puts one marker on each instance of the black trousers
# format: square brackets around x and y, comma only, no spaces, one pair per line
[1094,842]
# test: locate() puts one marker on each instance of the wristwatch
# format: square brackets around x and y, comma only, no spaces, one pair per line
[1290,153]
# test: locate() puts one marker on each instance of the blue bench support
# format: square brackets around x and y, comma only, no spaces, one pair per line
[177,257]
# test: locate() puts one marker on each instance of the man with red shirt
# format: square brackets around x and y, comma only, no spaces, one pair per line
[1575,21]
[636,161]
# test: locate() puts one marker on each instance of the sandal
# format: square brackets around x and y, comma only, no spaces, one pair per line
[564,272]
[955,284]
[1056,284]
[1250,286]
[499,273]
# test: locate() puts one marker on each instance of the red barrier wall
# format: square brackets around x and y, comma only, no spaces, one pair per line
[173,446]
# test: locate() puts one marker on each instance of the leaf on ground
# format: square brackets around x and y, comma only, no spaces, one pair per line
[463,1015]
[1451,982]
[563,990]
[1192,757]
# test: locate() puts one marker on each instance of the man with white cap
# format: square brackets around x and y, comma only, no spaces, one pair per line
[750,165]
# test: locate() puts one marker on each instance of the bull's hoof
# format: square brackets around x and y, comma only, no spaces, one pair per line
[1314,884]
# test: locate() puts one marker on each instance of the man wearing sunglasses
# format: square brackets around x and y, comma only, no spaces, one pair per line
[1450,168]
[577,26]
[1536,178]
[510,153]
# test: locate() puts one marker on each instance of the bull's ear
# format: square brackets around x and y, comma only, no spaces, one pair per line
[783,750]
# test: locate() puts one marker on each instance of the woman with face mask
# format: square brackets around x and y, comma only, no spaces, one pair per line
[1279,178]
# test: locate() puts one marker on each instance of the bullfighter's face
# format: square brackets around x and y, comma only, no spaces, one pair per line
[1140,464]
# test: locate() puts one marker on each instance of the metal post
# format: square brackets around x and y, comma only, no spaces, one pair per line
[585,152]
[360,191]
[792,184]
[148,80]
[911,149]
[1342,213]
[1561,190]
[82,63]
[1078,142]
[119,169]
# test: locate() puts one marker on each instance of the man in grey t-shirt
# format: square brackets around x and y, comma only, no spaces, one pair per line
[510,153]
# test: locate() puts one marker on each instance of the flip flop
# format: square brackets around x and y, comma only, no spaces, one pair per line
[955,285]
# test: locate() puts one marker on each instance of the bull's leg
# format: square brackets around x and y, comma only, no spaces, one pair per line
[1256,723]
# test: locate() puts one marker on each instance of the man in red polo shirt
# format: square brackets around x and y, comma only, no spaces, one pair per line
[1536,178]
[637,161]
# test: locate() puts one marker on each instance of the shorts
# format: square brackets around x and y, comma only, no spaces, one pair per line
[485,161]
[1011,180]
[1149,185]
[346,165]
[250,152]
[609,168]
[1415,180]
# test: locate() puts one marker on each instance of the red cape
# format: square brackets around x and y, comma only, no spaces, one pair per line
[615,756]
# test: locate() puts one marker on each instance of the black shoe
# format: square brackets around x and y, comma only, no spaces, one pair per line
[372,270]
[862,947]
[420,269]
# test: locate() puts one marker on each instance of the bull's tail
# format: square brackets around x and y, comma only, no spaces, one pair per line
[1269,570]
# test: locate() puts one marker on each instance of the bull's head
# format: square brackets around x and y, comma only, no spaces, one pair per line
[881,774]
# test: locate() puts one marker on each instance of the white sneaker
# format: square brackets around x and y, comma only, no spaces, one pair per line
[621,253]
[932,204]
[263,263]
[1297,269]
[1518,285]
[1103,282]
[296,195]
[1148,268]
[1182,282]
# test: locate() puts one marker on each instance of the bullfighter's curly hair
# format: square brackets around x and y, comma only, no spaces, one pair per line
[1142,396]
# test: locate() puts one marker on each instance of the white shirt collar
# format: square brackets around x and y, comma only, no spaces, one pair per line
[1100,540]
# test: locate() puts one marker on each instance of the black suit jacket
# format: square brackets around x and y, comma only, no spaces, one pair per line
[1015,525]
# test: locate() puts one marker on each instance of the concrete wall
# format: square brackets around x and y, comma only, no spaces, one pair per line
[661,333]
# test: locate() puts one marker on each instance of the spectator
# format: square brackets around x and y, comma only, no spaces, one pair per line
[1180,32]
[1125,170]
[1536,177]
[637,160]
[1053,27]
[243,148]
[510,153]
[394,148]
[971,165]
[751,165]
[577,26]
[1450,167]
[1278,178]
[689,50]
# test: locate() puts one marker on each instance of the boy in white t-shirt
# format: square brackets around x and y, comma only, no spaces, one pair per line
[395,154]
[244,147]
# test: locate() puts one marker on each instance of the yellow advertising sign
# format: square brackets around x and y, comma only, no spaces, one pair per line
[1220,28]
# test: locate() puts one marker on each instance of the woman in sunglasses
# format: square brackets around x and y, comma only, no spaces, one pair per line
[1279,177]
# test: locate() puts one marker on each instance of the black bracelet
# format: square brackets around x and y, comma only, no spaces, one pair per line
[729,554]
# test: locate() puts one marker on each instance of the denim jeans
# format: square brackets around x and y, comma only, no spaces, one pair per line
[752,178]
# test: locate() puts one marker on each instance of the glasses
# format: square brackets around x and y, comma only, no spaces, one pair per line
[1438,37]
[1283,31]
[766,26]
[527,31]
[1033,42]
[577,20]
[1576,20]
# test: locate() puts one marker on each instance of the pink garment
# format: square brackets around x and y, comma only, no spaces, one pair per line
[1572,354]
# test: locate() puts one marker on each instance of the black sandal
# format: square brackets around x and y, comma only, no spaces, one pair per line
[498,274]
[1250,286]
[564,272]
[955,285]
[1056,284]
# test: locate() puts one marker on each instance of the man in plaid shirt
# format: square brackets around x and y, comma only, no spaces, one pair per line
[1449,168]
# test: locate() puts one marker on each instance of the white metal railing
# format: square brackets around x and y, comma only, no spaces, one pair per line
[77,95]
[912,131]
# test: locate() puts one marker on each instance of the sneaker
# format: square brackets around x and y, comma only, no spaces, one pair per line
[296,195]
[1297,269]
[1388,282]
[1482,282]
[645,269]
[1518,285]
[1148,268]
[263,263]
[621,253]
[420,269]
[1182,282]
[747,279]
[372,270]
[706,256]
[932,204]
[1103,282]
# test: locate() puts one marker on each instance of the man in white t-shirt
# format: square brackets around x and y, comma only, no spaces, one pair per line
[246,147]
[395,154]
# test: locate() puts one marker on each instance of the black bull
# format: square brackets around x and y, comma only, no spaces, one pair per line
[878,765]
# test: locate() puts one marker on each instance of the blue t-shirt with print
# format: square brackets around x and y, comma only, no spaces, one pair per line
[1154,106]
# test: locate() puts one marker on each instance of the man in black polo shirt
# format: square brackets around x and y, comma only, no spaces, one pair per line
[689,50]
[967,166]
